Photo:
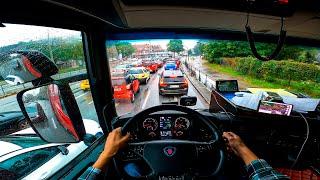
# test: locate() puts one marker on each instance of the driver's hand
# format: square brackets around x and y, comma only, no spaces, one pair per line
[233,142]
[237,146]
[115,141]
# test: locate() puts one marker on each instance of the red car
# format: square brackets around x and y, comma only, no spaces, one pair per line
[159,63]
[151,66]
[125,87]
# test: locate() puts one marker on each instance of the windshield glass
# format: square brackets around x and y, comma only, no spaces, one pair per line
[22,150]
[294,73]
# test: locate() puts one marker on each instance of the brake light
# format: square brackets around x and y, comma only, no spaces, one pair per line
[162,83]
[172,76]
[128,86]
[185,83]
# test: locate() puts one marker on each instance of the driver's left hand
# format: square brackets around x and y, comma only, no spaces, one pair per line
[115,141]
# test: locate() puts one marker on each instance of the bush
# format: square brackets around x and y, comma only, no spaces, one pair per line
[272,70]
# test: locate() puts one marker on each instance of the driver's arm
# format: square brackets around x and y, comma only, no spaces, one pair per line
[115,141]
[256,168]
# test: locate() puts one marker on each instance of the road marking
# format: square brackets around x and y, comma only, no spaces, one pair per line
[117,104]
[81,95]
[175,98]
[145,100]
[90,102]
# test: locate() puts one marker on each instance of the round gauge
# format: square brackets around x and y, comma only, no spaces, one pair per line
[150,124]
[181,123]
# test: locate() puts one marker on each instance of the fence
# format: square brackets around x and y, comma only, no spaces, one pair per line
[8,89]
[198,74]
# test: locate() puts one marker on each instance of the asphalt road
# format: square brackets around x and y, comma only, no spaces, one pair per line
[147,97]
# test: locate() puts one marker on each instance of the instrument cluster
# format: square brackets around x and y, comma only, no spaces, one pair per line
[166,127]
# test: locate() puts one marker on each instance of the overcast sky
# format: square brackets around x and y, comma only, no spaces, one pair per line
[12,34]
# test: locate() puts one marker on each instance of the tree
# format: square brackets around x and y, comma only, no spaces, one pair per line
[189,52]
[125,48]
[175,46]
[198,48]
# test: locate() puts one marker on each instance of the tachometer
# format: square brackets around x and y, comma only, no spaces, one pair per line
[150,124]
[181,123]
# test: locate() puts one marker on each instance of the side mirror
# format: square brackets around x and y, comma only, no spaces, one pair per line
[52,112]
[188,100]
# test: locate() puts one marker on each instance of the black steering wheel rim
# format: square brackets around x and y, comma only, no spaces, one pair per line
[213,128]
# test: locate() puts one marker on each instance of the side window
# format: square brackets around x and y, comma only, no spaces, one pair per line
[23,164]
[64,48]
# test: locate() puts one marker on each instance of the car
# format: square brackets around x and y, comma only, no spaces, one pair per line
[173,82]
[13,80]
[141,73]
[10,121]
[125,87]
[123,67]
[25,155]
[170,66]
[84,85]
[150,65]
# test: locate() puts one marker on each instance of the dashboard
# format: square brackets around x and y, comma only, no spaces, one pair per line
[274,139]
[170,126]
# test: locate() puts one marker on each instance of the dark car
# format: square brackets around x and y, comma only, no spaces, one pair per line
[173,82]
[11,121]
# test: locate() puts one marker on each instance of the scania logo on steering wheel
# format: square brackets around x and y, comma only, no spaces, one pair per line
[169,151]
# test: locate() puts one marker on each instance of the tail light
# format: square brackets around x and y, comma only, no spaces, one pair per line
[162,83]
[185,83]
[128,86]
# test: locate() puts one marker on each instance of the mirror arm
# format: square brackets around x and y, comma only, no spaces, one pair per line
[41,81]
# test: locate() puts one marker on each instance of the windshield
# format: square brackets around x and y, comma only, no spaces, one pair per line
[204,62]
[22,150]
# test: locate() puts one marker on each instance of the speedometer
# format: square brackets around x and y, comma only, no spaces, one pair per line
[150,124]
[181,123]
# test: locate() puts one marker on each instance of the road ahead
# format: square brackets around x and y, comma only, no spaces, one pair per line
[147,97]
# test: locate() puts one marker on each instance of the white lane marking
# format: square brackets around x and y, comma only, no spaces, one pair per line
[90,102]
[175,98]
[145,100]
[81,95]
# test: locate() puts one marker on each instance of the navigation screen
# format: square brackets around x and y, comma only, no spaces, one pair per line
[165,127]
[275,108]
[227,86]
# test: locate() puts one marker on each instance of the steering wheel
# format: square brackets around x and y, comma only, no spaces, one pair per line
[175,157]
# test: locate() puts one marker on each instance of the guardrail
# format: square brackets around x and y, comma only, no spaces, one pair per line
[204,78]
[8,89]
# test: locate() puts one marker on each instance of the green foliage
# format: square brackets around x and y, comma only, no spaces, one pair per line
[198,48]
[224,48]
[271,70]
[175,45]
[125,48]
[58,49]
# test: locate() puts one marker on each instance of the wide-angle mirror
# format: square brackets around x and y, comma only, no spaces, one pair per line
[54,117]
[18,67]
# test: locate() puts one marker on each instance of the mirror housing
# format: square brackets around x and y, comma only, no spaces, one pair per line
[188,100]
[52,112]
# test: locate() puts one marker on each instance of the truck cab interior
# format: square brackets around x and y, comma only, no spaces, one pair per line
[290,143]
